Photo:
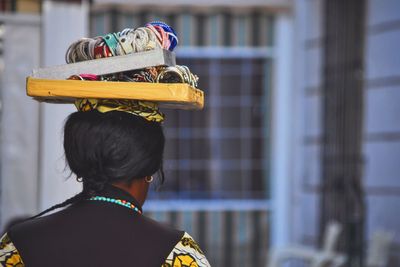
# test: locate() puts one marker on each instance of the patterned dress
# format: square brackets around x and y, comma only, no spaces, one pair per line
[9,255]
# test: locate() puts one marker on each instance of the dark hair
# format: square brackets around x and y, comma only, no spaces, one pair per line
[114,146]
[102,148]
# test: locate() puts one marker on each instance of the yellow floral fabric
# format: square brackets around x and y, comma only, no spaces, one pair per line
[186,253]
[147,110]
[9,256]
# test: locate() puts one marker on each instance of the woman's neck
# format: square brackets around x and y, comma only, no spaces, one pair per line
[137,188]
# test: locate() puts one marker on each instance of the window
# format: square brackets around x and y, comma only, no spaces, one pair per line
[222,151]
[218,157]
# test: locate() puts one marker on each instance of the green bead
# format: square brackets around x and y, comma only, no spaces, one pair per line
[116,201]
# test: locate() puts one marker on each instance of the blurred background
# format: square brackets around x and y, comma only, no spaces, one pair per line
[295,158]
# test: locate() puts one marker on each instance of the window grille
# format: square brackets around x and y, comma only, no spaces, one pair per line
[220,152]
[218,157]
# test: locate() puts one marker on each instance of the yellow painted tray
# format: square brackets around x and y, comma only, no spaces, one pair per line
[168,95]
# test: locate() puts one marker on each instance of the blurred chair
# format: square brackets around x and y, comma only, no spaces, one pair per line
[379,248]
[327,256]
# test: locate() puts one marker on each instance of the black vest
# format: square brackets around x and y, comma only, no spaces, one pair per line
[94,234]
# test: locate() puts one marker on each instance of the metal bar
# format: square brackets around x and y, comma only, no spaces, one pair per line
[219,52]
[342,195]
[274,5]
[16,19]
[207,205]
[102,66]
[228,233]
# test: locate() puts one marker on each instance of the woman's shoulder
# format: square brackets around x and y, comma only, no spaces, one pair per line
[186,253]
[161,229]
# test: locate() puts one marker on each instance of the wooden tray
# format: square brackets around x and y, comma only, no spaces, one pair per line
[168,95]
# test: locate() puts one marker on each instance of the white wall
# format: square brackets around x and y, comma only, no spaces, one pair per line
[63,23]
[307,120]
[281,131]
[382,120]
[32,162]
[19,118]
[381,146]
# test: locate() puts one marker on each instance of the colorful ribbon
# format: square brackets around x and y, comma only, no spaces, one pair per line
[144,109]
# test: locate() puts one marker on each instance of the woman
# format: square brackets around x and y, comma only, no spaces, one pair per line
[114,154]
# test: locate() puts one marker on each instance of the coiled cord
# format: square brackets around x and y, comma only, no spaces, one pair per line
[154,35]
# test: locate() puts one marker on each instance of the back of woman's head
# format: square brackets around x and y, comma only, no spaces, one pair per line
[109,147]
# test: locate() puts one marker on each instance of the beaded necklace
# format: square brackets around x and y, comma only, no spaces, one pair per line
[120,202]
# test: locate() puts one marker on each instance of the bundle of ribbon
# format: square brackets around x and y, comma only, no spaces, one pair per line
[154,35]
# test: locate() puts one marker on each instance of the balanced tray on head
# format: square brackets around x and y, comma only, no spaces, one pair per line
[167,95]
[50,84]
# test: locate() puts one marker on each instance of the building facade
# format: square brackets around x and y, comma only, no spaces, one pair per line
[246,174]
